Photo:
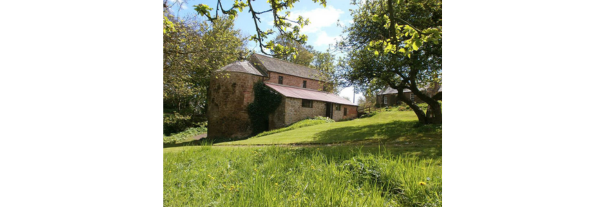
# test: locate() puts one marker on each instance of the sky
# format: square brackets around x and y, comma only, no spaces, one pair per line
[321,31]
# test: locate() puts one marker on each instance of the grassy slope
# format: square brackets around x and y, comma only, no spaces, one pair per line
[407,172]
[392,126]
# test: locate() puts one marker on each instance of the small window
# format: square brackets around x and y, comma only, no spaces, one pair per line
[304,84]
[307,103]
[385,99]
[337,107]
[345,111]
[412,97]
[281,80]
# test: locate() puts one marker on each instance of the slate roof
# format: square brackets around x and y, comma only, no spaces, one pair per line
[242,67]
[303,93]
[390,90]
[282,66]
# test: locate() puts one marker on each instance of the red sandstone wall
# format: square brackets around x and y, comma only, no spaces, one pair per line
[294,80]
[351,111]
[228,99]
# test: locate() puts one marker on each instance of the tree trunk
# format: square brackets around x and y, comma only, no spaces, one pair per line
[435,107]
[419,113]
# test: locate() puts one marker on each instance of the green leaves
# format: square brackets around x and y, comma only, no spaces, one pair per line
[168,25]
[375,18]
[202,9]
[265,102]
[192,51]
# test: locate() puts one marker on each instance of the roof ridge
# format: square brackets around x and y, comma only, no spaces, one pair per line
[286,62]
[242,66]
[282,60]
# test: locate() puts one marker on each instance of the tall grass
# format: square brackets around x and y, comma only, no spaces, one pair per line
[321,176]
[187,134]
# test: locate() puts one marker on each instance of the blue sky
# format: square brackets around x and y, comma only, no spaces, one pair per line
[322,29]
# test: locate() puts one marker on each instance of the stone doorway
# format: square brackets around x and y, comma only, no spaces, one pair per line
[329,110]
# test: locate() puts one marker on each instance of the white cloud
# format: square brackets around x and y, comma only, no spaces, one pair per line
[324,39]
[348,92]
[351,21]
[318,18]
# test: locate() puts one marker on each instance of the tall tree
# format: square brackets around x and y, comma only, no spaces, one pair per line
[378,53]
[192,50]
[305,52]
[325,63]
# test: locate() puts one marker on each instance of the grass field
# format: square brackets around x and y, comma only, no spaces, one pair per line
[391,126]
[380,161]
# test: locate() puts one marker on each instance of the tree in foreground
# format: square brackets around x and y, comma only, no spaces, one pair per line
[400,29]
[380,55]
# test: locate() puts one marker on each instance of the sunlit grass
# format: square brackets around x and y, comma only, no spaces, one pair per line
[384,160]
[282,176]
[391,125]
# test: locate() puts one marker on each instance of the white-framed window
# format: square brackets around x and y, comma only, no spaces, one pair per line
[385,99]
[412,97]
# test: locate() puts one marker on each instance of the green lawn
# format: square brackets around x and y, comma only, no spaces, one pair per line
[379,161]
[391,126]
[305,176]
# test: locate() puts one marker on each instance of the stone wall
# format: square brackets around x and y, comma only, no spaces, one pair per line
[228,99]
[294,81]
[392,99]
[295,112]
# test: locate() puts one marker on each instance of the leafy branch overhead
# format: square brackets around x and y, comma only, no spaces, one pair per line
[404,32]
[283,23]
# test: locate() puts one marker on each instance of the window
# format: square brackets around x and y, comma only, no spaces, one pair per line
[412,97]
[307,103]
[384,99]
[345,111]
[304,84]
[337,107]
[281,80]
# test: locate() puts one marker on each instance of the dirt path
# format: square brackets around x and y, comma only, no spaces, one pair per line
[198,137]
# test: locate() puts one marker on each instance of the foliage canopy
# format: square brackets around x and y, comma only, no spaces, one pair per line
[192,49]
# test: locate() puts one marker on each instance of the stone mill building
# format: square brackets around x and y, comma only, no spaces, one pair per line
[300,87]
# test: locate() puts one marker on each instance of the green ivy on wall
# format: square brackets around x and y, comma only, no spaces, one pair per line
[265,102]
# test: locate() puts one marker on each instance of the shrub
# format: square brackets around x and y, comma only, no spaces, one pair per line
[401,108]
[175,122]
[371,114]
[326,119]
